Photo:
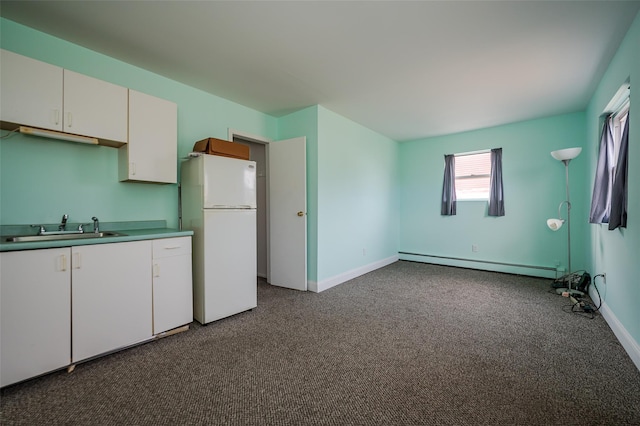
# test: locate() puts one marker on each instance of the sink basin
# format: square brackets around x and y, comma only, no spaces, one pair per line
[56,237]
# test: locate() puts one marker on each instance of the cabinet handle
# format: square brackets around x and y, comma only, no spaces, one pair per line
[77,260]
[69,116]
[133,169]
[172,247]
[56,116]
[63,262]
[156,270]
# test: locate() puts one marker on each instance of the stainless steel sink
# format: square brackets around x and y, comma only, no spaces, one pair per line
[55,237]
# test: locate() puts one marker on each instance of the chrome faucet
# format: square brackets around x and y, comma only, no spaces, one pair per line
[63,223]
[96,225]
[41,229]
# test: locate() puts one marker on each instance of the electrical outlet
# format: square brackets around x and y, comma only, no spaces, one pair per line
[474,248]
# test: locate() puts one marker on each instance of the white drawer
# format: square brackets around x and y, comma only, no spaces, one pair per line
[166,247]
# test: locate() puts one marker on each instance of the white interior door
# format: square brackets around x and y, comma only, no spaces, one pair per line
[288,213]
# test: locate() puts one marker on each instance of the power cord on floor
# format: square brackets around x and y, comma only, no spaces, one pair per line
[582,305]
[598,291]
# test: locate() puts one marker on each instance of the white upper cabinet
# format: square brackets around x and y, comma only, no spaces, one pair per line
[152,152]
[41,95]
[94,108]
[145,128]
[31,92]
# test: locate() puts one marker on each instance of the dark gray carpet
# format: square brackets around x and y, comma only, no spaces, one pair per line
[409,344]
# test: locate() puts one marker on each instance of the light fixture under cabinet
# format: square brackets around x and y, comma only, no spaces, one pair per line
[57,135]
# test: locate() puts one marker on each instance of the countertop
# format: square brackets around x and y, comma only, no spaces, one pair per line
[133,231]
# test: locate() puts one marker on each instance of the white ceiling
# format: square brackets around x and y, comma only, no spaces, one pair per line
[404,69]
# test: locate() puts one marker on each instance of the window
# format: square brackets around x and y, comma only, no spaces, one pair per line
[618,121]
[609,199]
[617,113]
[473,176]
[473,173]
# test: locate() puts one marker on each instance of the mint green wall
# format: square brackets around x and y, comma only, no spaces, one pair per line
[42,179]
[534,186]
[357,195]
[351,192]
[305,123]
[616,252]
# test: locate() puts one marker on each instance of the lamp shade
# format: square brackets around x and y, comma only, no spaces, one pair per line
[566,154]
[555,224]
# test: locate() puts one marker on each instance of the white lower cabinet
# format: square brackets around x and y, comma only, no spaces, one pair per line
[111,293]
[172,284]
[60,306]
[35,313]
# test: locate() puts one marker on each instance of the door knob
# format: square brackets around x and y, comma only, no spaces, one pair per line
[300,214]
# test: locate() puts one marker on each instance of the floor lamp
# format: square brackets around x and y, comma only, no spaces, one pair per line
[565,155]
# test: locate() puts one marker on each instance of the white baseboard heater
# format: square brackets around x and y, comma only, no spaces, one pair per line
[490,265]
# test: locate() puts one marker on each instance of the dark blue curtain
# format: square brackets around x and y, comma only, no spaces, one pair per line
[496,195]
[449,186]
[601,198]
[618,216]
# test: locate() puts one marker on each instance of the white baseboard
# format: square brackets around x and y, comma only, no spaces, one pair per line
[626,340]
[323,285]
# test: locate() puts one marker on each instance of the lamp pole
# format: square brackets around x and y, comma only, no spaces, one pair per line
[565,155]
[566,169]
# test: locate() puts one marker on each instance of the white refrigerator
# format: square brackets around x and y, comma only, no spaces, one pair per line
[218,196]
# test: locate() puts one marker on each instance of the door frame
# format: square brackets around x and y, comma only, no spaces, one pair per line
[257,139]
[262,141]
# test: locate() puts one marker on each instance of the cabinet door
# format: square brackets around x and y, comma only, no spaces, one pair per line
[111,289]
[151,154]
[172,284]
[35,311]
[94,107]
[31,92]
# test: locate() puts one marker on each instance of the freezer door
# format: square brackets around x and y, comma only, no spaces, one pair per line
[228,182]
[230,264]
